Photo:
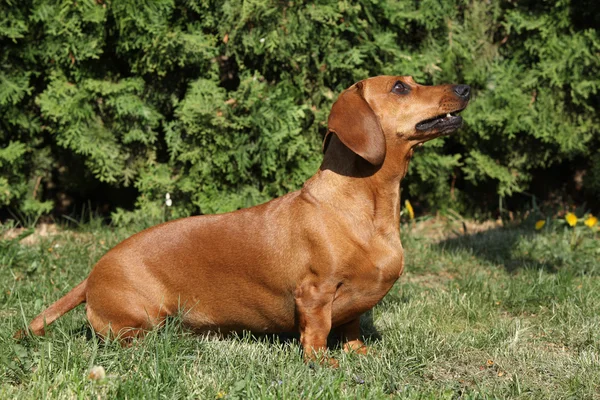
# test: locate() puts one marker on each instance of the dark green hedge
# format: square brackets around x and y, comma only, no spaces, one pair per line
[223,104]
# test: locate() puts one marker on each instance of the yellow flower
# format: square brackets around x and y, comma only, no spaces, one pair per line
[220,394]
[411,212]
[571,219]
[591,221]
[540,224]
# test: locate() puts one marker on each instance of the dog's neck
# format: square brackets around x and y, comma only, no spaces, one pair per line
[352,185]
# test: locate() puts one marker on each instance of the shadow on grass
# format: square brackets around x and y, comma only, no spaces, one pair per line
[499,246]
[334,341]
[369,333]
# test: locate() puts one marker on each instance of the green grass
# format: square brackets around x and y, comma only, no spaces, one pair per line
[507,313]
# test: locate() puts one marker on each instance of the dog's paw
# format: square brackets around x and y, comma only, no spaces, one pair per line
[322,361]
[332,362]
[356,346]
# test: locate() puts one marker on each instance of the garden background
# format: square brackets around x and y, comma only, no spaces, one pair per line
[108,106]
[111,105]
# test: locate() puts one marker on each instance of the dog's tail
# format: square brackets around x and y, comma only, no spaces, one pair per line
[75,297]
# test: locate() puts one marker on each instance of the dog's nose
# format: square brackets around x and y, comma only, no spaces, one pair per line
[463,91]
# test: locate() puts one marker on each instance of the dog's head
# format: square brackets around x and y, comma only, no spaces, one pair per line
[377,115]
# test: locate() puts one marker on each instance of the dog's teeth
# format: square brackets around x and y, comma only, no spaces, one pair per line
[448,115]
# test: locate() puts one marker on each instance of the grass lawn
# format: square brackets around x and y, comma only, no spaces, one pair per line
[505,313]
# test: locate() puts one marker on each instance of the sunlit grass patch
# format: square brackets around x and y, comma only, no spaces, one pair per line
[501,313]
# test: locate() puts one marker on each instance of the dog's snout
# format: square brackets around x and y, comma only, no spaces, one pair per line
[463,91]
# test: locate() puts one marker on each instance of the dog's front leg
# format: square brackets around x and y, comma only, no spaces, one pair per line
[351,338]
[313,313]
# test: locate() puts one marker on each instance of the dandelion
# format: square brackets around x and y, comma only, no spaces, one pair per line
[221,394]
[591,221]
[540,224]
[411,212]
[571,219]
[168,200]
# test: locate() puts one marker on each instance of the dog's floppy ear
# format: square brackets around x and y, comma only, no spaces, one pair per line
[356,125]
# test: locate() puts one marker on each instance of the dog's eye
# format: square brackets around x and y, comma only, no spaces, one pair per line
[400,88]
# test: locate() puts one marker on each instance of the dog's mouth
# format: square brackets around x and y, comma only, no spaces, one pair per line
[443,123]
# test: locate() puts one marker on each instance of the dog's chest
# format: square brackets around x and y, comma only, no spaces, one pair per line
[368,283]
[385,260]
[372,273]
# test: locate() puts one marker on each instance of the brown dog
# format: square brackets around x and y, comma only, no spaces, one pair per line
[312,260]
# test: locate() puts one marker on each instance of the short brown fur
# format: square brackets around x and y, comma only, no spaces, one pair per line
[309,261]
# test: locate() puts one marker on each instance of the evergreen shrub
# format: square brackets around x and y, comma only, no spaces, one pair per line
[223,104]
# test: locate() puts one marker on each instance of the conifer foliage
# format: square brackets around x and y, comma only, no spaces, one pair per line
[223,104]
